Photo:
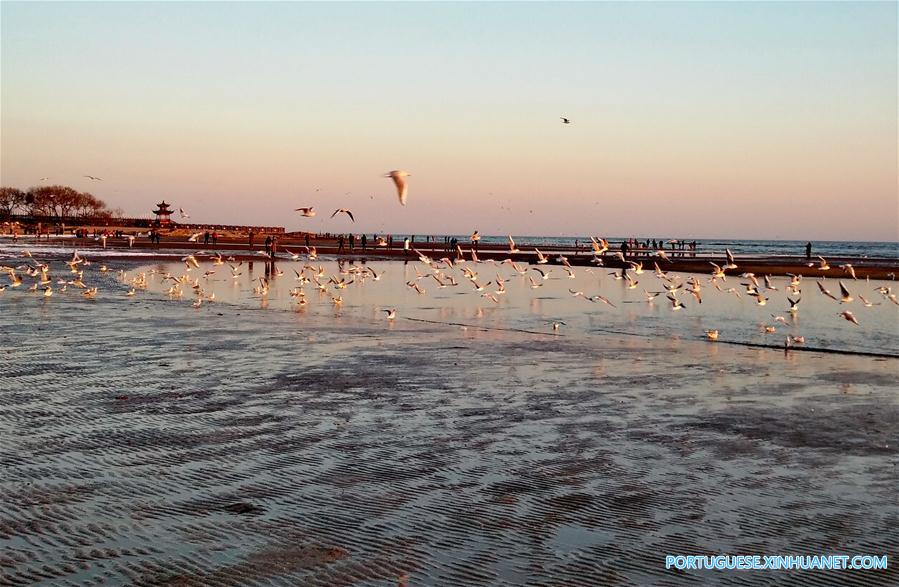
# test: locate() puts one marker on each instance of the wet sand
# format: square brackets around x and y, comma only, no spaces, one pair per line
[143,441]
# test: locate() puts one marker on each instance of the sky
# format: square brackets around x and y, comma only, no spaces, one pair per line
[689,119]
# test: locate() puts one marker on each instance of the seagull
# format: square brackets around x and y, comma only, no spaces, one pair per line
[675,303]
[541,258]
[848,316]
[391,314]
[345,211]
[793,303]
[91,177]
[398,179]
[543,274]
[711,334]
[599,247]
[848,268]
[826,292]
[845,296]
[822,266]
[603,299]
[512,247]
[730,260]
[865,302]
[759,298]
[308,212]
[565,120]
[183,213]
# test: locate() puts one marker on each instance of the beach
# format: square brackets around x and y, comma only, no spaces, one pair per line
[254,441]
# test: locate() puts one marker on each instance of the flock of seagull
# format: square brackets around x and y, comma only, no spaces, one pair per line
[463,270]
[399,181]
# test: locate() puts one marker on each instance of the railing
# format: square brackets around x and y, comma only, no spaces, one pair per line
[69,222]
[232,227]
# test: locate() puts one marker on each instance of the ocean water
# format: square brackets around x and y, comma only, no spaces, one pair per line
[762,248]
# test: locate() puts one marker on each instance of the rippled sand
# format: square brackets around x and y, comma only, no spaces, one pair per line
[144,441]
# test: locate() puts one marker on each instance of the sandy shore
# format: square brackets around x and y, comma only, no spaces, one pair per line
[148,442]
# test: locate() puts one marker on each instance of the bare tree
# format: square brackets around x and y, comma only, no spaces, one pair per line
[11,199]
[59,202]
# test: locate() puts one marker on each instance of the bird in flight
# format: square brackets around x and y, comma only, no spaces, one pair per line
[183,213]
[845,296]
[565,120]
[309,212]
[849,316]
[398,176]
[93,178]
[345,211]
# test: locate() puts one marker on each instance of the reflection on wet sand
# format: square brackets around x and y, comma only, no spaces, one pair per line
[146,441]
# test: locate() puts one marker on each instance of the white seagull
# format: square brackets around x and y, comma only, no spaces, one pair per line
[398,176]
[345,211]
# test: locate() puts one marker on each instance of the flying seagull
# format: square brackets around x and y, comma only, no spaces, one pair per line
[345,211]
[93,178]
[398,178]
[310,211]
[183,213]
[565,120]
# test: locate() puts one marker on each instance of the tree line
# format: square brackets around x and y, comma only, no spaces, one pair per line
[57,202]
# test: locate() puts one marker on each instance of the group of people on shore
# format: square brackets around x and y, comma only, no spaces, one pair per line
[636,247]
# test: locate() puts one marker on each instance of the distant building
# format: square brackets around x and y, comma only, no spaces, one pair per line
[162,214]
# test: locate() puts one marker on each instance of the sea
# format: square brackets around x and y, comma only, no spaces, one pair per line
[745,247]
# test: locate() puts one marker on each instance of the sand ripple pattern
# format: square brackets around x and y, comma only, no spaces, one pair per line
[148,443]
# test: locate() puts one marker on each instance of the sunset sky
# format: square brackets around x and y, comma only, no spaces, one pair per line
[692,120]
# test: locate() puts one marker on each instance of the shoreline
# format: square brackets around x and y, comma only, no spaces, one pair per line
[682,262]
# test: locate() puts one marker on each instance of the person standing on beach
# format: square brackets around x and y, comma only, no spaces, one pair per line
[268,244]
[406,245]
[353,241]
[624,248]
[215,238]
[364,241]
[274,247]
[340,244]
[250,236]
[808,250]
